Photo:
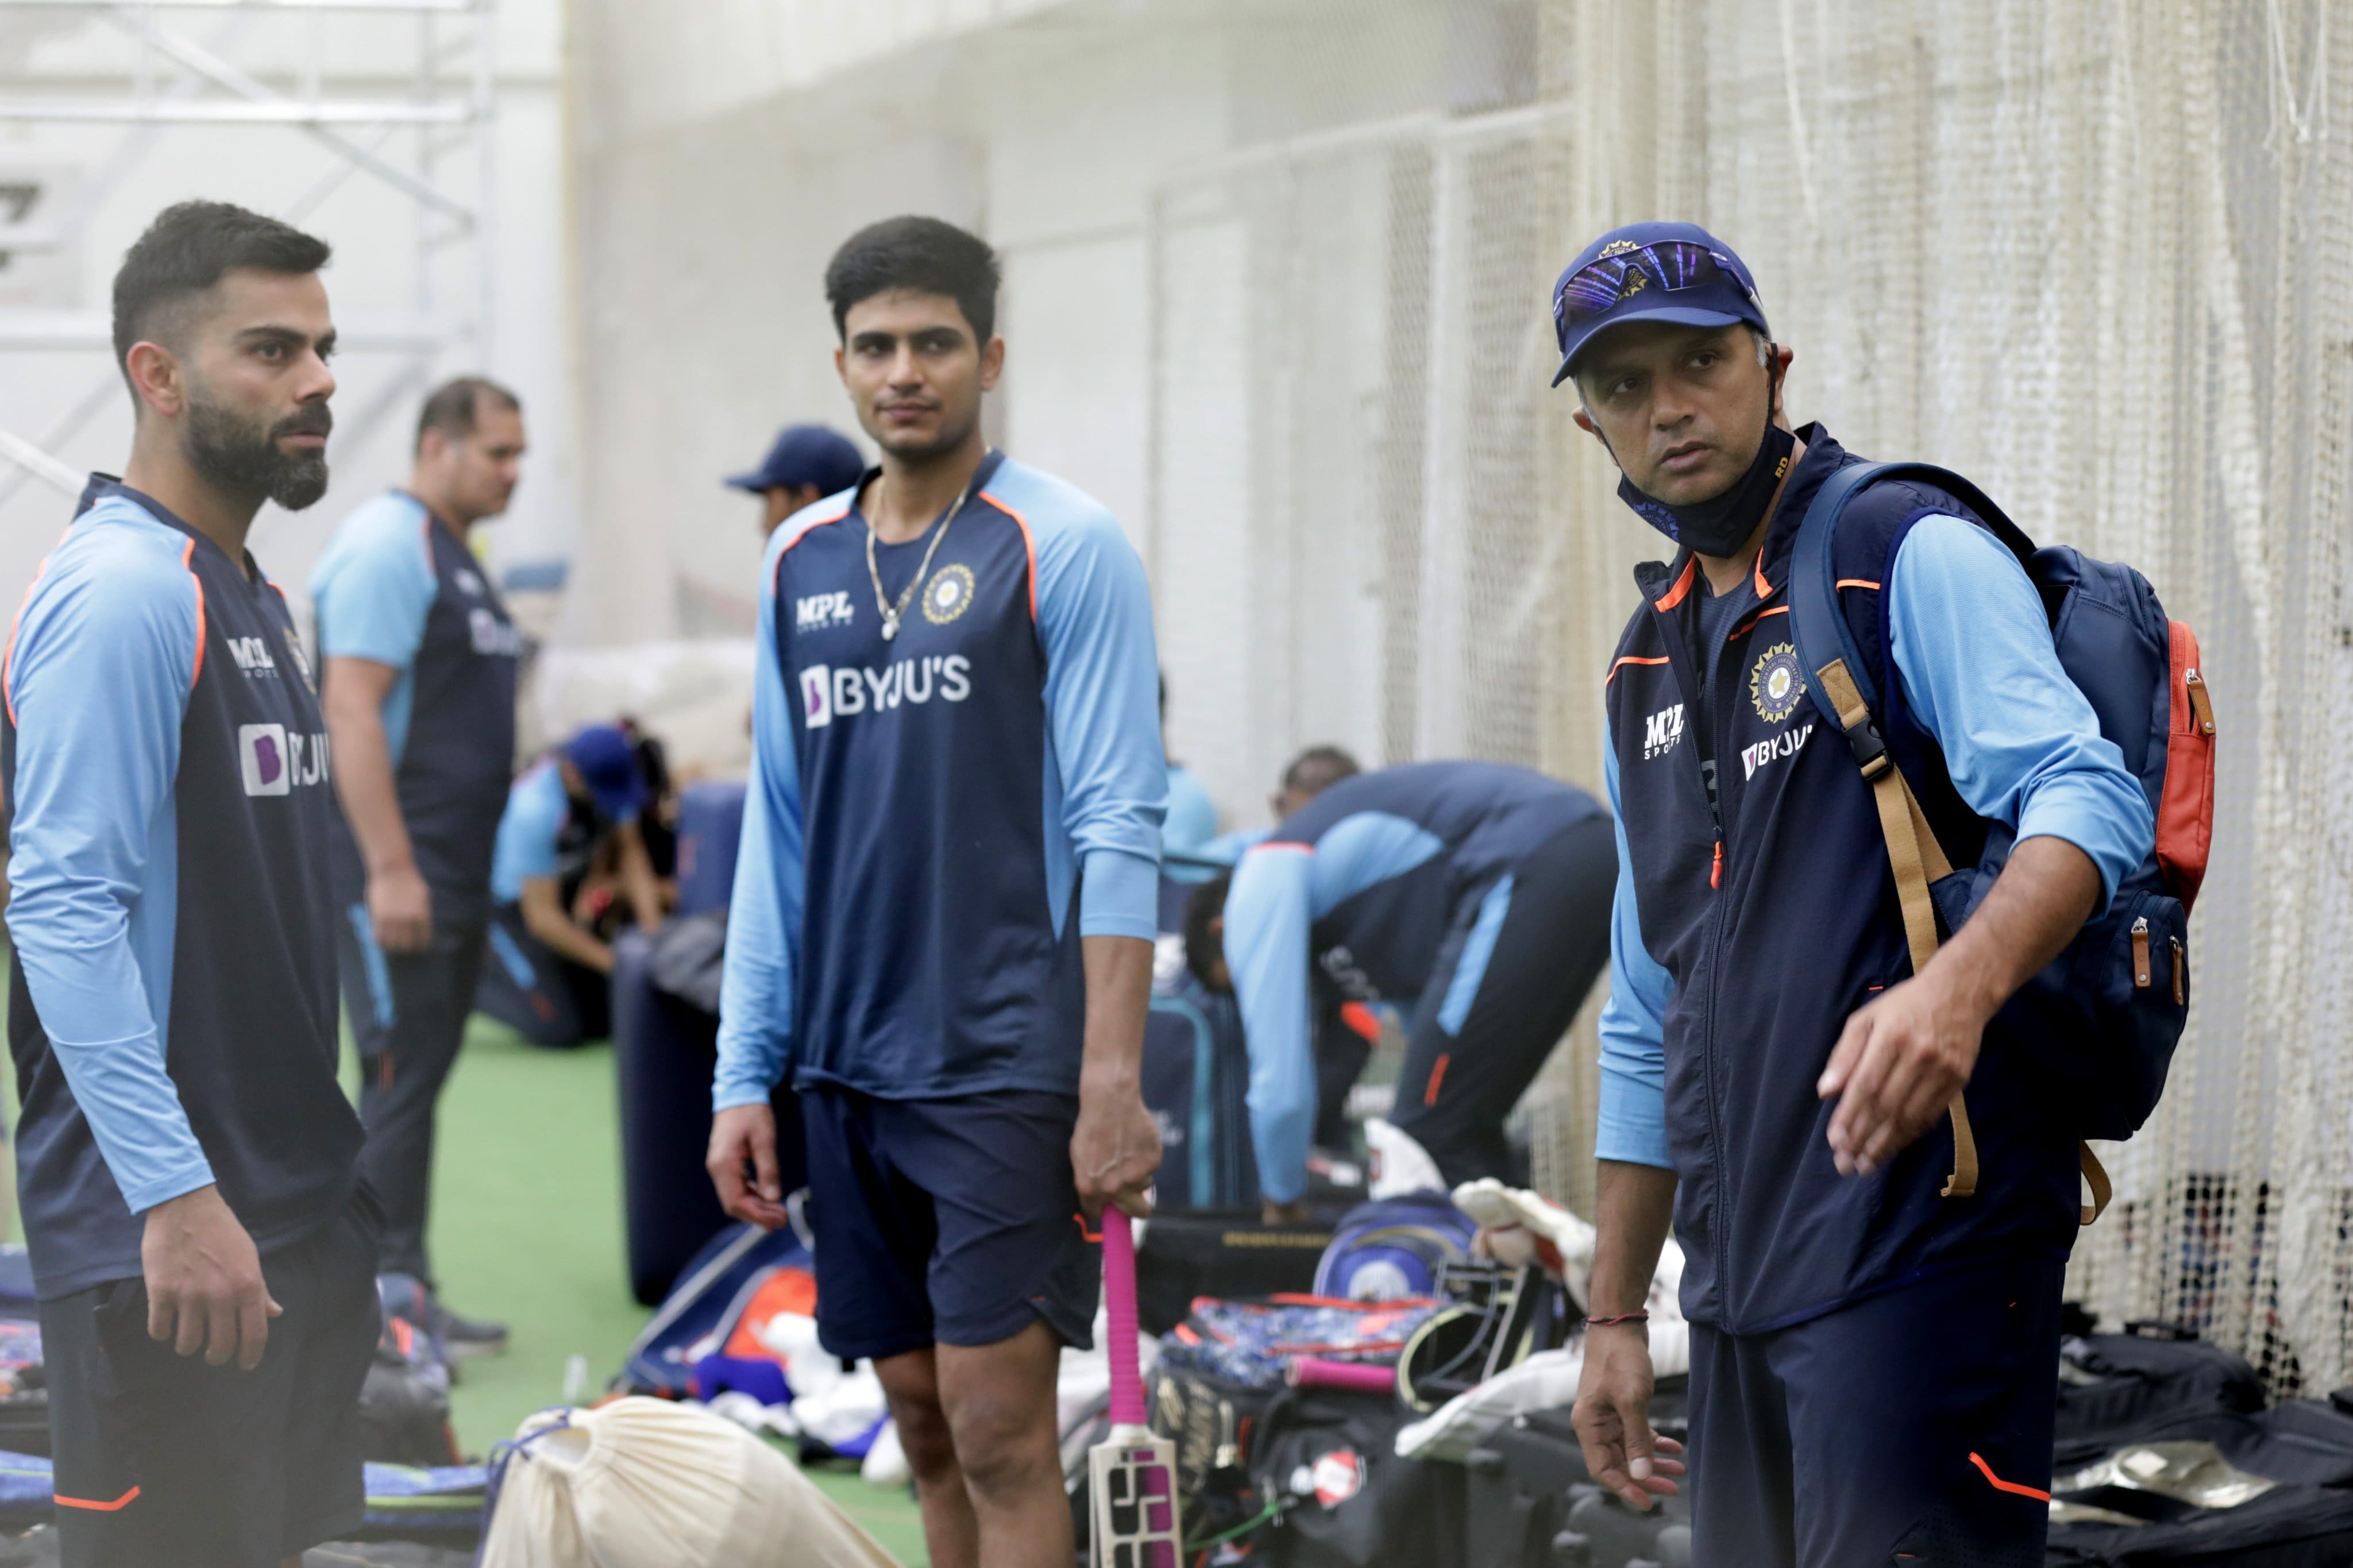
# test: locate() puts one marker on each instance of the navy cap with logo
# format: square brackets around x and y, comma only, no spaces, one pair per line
[608,763]
[1673,272]
[806,455]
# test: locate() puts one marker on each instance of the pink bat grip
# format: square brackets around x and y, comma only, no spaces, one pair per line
[1307,1372]
[1119,1307]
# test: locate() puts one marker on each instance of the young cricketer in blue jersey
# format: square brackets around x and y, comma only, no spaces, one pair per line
[418,683]
[945,900]
[189,1164]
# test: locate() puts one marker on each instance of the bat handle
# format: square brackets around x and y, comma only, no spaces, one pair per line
[1119,1309]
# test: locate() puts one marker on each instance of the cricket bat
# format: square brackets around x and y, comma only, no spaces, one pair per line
[1133,1473]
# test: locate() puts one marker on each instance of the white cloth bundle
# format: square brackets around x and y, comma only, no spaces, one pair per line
[644,1483]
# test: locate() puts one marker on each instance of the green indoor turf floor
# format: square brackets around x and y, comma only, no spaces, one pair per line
[527,1229]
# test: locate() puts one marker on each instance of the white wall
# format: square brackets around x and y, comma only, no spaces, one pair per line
[373,280]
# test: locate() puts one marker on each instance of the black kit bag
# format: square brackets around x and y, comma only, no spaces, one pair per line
[1226,1253]
[2305,1521]
[1526,1482]
[2115,1386]
[1215,1424]
[1326,1460]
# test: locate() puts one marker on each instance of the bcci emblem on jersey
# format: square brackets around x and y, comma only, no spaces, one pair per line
[950,593]
[1774,685]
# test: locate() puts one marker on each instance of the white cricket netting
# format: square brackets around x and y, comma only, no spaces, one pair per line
[2098,254]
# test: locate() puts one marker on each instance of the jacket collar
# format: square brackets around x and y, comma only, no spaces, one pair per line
[1666,585]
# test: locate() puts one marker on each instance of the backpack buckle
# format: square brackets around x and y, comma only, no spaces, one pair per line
[1869,751]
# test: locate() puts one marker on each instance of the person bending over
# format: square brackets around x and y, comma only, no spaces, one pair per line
[547,977]
[1873,1364]
[419,691]
[1474,893]
[202,1244]
[944,908]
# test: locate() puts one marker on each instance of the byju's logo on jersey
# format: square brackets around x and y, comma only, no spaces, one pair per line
[274,759]
[821,612]
[829,693]
[491,635]
[1788,743]
[252,655]
[1661,731]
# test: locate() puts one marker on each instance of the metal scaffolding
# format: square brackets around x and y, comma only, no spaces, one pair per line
[418,143]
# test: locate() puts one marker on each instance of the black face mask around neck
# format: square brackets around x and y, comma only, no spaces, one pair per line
[1720,527]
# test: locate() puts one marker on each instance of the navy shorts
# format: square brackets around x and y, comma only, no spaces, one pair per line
[946,1221]
[1912,1428]
[165,1462]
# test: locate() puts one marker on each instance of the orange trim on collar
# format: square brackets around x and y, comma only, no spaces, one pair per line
[1630,659]
[1764,589]
[1857,583]
[1674,595]
[117,1506]
[776,572]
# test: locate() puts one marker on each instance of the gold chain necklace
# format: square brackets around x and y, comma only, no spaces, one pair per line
[890,612]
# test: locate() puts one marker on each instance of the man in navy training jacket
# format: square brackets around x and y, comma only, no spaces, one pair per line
[1873,1365]
[418,685]
[943,912]
[1474,894]
[190,1167]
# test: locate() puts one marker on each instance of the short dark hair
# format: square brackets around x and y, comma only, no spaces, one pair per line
[1206,949]
[456,407]
[185,253]
[919,252]
[1318,768]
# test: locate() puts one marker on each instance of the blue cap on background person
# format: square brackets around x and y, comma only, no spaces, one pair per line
[608,763]
[805,454]
[1674,272]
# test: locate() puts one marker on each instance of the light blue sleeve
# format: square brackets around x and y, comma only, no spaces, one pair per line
[98,680]
[1267,920]
[1192,819]
[1102,706]
[374,585]
[764,917]
[1631,1122]
[1973,648]
[529,830]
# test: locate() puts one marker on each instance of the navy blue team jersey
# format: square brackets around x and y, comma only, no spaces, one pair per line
[1358,892]
[171,985]
[396,587]
[924,811]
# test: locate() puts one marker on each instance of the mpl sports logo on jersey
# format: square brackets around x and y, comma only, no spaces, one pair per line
[274,759]
[492,636]
[1661,731]
[829,692]
[252,655]
[822,611]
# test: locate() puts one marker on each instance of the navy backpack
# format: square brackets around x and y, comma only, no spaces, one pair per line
[2118,994]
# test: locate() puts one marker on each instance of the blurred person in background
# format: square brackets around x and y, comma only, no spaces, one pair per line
[418,685]
[190,1166]
[1473,893]
[943,921]
[550,958]
[1305,776]
[805,464]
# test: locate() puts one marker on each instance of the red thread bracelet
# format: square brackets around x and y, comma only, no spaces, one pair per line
[1621,1317]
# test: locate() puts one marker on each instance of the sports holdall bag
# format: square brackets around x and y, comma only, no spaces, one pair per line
[2119,994]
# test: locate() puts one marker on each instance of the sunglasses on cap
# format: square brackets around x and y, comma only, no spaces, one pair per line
[1672,265]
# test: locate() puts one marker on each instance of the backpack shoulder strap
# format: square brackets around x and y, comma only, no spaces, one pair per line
[1840,684]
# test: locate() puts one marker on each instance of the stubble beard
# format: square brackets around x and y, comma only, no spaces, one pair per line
[232,454]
